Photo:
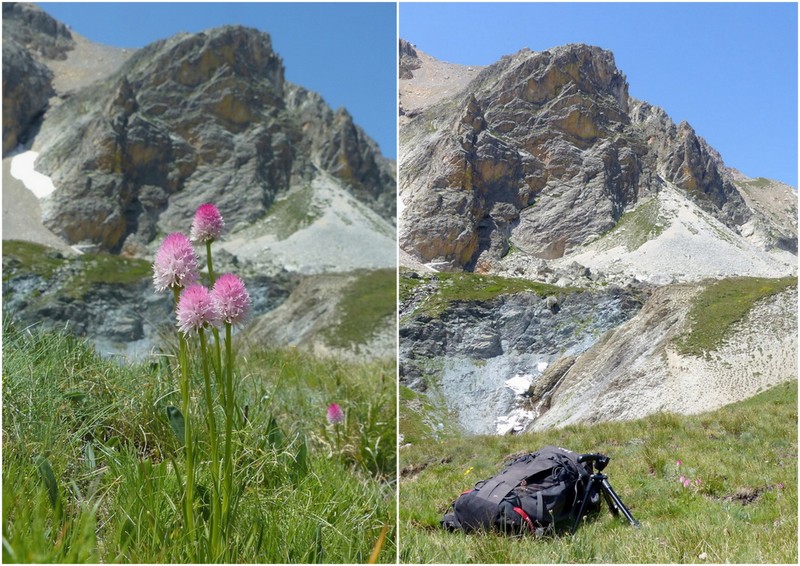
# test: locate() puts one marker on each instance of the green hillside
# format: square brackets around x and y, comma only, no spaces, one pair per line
[741,505]
[90,458]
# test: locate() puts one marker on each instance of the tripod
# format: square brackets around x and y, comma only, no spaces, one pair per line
[599,482]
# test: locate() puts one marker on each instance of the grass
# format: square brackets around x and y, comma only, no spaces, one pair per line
[84,271]
[636,227]
[112,494]
[758,182]
[462,287]
[26,257]
[722,304]
[744,510]
[293,212]
[365,306]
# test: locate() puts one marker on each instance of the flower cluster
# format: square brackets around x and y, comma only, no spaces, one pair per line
[335,413]
[208,224]
[176,267]
[687,482]
[684,480]
[196,310]
[231,299]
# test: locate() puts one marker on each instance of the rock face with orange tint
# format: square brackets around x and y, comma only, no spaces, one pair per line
[195,118]
[542,151]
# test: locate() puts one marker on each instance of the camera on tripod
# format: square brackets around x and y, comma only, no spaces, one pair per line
[598,484]
[599,461]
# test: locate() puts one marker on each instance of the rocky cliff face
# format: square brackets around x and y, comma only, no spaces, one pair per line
[135,141]
[30,37]
[192,119]
[543,151]
[475,351]
[543,169]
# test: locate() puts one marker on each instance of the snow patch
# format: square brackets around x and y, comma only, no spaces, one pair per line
[22,169]
[520,384]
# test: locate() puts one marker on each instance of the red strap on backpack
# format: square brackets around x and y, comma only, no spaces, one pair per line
[521,512]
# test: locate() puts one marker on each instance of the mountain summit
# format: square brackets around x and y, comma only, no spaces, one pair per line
[574,255]
[122,146]
[544,152]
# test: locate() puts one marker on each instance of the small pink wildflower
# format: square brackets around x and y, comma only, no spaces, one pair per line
[175,264]
[679,463]
[196,310]
[780,485]
[231,299]
[687,483]
[682,479]
[335,414]
[698,481]
[207,224]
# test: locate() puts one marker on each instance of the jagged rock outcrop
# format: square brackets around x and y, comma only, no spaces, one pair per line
[27,88]
[29,37]
[544,151]
[409,60]
[191,119]
[35,30]
[469,351]
[637,370]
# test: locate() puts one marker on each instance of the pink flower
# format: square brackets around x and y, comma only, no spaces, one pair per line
[679,463]
[687,483]
[682,479]
[175,265]
[196,310]
[207,224]
[697,481]
[231,299]
[335,414]
[780,485]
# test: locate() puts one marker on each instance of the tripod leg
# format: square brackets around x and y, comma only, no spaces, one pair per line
[587,495]
[609,493]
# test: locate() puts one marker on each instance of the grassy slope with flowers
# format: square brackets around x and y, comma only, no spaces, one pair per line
[88,457]
[742,509]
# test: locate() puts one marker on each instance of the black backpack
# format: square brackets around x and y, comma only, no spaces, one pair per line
[536,493]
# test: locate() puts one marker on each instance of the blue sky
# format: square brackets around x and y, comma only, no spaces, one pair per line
[344,51]
[730,70]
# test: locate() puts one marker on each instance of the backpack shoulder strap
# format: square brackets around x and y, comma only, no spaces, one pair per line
[496,488]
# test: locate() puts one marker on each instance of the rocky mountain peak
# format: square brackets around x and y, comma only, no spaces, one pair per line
[542,153]
[540,77]
[190,60]
[35,30]
[205,117]
[409,60]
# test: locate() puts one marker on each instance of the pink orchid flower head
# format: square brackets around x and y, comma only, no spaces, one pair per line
[335,414]
[196,310]
[231,299]
[175,264]
[208,224]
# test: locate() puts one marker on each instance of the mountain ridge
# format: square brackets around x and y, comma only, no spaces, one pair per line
[542,169]
[535,125]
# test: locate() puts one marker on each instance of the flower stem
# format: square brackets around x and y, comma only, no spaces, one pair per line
[187,439]
[212,427]
[211,278]
[227,494]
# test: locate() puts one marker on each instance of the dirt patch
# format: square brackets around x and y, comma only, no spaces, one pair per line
[413,470]
[747,495]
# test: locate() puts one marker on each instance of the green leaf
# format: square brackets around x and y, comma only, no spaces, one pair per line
[88,452]
[204,495]
[176,422]
[301,460]
[274,434]
[49,479]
